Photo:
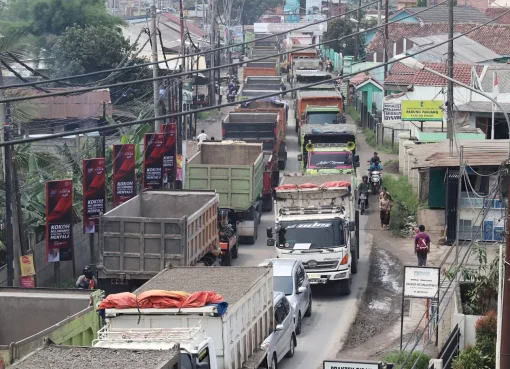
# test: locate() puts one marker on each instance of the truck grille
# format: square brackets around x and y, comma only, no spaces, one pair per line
[321,265]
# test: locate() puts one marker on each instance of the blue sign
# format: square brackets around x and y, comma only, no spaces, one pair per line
[488,230]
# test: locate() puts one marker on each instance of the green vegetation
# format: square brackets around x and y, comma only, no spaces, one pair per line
[341,27]
[399,357]
[372,141]
[206,114]
[405,202]
[483,354]
[351,110]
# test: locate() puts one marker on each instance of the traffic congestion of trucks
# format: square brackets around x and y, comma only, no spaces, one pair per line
[173,299]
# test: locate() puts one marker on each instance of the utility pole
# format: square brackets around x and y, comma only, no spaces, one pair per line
[8,201]
[449,99]
[212,55]
[386,41]
[155,84]
[356,51]
[505,316]
[379,13]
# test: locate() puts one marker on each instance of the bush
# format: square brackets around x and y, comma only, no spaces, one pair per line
[399,357]
[486,335]
[371,139]
[405,202]
[471,358]
[351,110]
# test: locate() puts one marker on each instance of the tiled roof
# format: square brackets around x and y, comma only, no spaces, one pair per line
[493,36]
[173,18]
[494,12]
[359,79]
[399,74]
[461,14]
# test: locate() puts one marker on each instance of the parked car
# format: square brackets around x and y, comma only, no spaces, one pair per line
[289,277]
[282,341]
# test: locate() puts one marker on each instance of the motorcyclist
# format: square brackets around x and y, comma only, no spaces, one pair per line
[87,281]
[364,188]
[375,163]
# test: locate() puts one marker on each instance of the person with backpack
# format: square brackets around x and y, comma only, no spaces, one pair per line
[422,246]
[87,281]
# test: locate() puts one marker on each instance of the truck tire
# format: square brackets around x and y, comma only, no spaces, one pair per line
[297,125]
[226,259]
[345,287]
[267,203]
[251,239]
[235,250]
[282,164]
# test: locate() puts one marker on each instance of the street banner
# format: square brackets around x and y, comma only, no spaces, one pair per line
[94,193]
[27,265]
[170,132]
[422,110]
[153,161]
[27,282]
[59,220]
[124,176]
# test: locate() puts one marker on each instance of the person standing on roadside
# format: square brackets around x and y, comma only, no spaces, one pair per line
[385,208]
[221,91]
[422,246]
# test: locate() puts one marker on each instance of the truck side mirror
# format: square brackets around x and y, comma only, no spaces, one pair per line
[300,157]
[269,232]
[355,158]
[356,164]
[270,242]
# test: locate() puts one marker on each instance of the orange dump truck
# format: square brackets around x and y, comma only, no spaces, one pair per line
[262,68]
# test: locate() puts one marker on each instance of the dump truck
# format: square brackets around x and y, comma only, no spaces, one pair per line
[302,54]
[140,237]
[317,225]
[255,86]
[28,317]
[235,170]
[261,68]
[56,357]
[228,339]
[265,128]
[328,149]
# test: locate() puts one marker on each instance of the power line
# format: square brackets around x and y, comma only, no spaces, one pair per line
[276,93]
[206,51]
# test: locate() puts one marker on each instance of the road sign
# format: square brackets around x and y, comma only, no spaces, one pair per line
[287,27]
[422,110]
[351,364]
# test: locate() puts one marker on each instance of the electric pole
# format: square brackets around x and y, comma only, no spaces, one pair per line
[504,358]
[356,50]
[212,55]
[8,202]
[155,84]
[449,99]
[386,41]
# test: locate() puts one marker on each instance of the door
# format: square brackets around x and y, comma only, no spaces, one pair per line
[302,281]
[282,316]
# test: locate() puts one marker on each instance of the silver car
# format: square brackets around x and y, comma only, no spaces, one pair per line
[289,277]
[282,341]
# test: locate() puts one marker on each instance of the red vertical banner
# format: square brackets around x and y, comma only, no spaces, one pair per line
[170,132]
[59,220]
[124,177]
[94,193]
[153,161]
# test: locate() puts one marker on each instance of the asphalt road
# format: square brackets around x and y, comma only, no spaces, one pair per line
[332,314]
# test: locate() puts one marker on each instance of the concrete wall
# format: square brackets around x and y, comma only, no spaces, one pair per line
[17,315]
[45,271]
[466,322]
[433,220]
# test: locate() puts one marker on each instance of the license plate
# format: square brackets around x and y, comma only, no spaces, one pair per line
[314,276]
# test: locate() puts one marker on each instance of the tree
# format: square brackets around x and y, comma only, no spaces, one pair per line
[254,9]
[83,50]
[44,18]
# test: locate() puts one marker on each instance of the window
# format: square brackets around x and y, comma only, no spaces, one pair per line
[279,312]
[203,356]
[287,306]
[300,276]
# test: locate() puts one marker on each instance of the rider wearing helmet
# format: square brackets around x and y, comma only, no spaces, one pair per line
[375,163]
[87,281]
[364,187]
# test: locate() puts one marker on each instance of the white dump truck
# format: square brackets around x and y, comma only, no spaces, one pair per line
[208,337]
[317,226]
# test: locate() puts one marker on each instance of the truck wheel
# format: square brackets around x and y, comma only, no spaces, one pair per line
[345,287]
[235,251]
[292,347]
[267,204]
[226,259]
[354,263]
[281,165]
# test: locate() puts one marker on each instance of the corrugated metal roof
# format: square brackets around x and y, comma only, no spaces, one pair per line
[466,49]
[476,153]
[461,14]
[503,72]
[86,105]
[481,106]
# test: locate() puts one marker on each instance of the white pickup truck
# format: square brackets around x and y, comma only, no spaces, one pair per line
[316,225]
[208,337]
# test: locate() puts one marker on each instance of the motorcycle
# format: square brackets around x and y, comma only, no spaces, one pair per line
[362,203]
[375,181]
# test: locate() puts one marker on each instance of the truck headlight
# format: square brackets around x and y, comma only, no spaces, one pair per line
[340,275]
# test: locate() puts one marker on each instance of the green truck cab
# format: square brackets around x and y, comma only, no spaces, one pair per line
[328,149]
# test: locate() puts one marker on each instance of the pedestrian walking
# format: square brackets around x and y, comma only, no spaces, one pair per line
[221,91]
[201,138]
[422,246]
[385,208]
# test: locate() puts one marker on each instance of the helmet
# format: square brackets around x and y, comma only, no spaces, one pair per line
[87,271]
[364,177]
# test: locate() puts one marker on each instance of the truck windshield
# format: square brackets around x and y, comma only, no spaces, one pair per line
[283,284]
[329,159]
[311,235]
[322,118]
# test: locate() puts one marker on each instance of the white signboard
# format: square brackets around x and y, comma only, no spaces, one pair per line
[392,112]
[287,27]
[351,365]
[421,282]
